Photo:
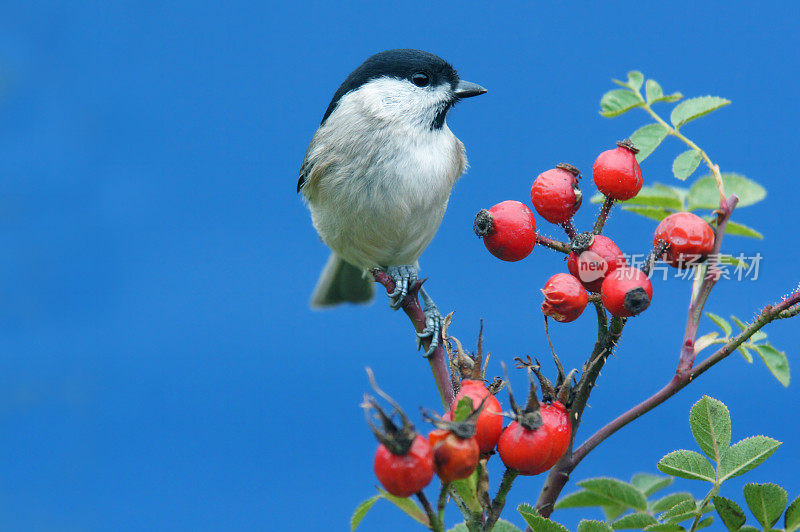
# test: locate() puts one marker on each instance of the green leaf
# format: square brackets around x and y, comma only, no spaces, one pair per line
[704,194]
[581,499]
[704,523]
[656,197]
[745,353]
[467,488]
[633,521]
[612,511]
[463,409]
[739,323]
[460,527]
[665,503]
[730,259]
[693,108]
[776,362]
[766,501]
[654,213]
[735,228]
[361,511]
[680,512]
[731,514]
[685,164]
[618,101]
[635,80]
[722,323]
[758,336]
[649,484]
[745,456]
[791,521]
[588,525]
[408,506]
[647,138]
[664,527]
[705,341]
[617,491]
[710,421]
[748,528]
[687,464]
[653,90]
[537,522]
[504,526]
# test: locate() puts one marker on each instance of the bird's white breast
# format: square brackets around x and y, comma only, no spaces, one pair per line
[380,181]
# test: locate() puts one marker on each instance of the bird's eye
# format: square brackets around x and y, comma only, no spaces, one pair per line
[420,79]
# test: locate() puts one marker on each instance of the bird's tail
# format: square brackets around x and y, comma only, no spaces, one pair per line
[341,282]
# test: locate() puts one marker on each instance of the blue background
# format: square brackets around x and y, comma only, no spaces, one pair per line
[160,368]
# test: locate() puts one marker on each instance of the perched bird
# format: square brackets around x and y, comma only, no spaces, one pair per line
[378,173]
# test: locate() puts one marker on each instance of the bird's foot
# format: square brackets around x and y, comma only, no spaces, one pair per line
[404,278]
[434,321]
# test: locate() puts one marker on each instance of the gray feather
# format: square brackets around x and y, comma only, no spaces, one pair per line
[341,282]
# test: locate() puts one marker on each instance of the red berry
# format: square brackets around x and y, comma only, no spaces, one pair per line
[556,419]
[591,265]
[525,450]
[489,424]
[453,457]
[564,298]
[406,474]
[616,172]
[555,193]
[690,239]
[626,292]
[508,230]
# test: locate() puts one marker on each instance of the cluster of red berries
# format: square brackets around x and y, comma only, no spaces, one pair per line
[532,443]
[595,263]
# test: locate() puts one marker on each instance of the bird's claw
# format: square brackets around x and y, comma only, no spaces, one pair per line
[404,278]
[434,321]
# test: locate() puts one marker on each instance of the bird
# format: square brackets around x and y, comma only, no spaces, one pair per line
[378,173]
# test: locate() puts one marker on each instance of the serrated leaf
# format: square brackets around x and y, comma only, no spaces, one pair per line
[730,259]
[618,101]
[408,506]
[722,323]
[590,525]
[654,213]
[617,491]
[504,526]
[731,514]
[361,511]
[705,341]
[766,501]
[775,361]
[537,522]
[653,90]
[613,511]
[704,194]
[680,512]
[687,464]
[694,108]
[745,353]
[664,527]
[704,523]
[710,421]
[737,229]
[745,456]
[647,139]
[791,521]
[668,501]
[648,483]
[685,164]
[739,323]
[581,499]
[633,522]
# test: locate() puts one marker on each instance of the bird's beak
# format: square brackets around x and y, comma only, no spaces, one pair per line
[466,89]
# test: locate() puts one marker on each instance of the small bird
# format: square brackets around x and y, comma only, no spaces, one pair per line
[378,174]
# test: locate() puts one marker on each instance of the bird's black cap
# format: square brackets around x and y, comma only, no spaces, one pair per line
[400,63]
